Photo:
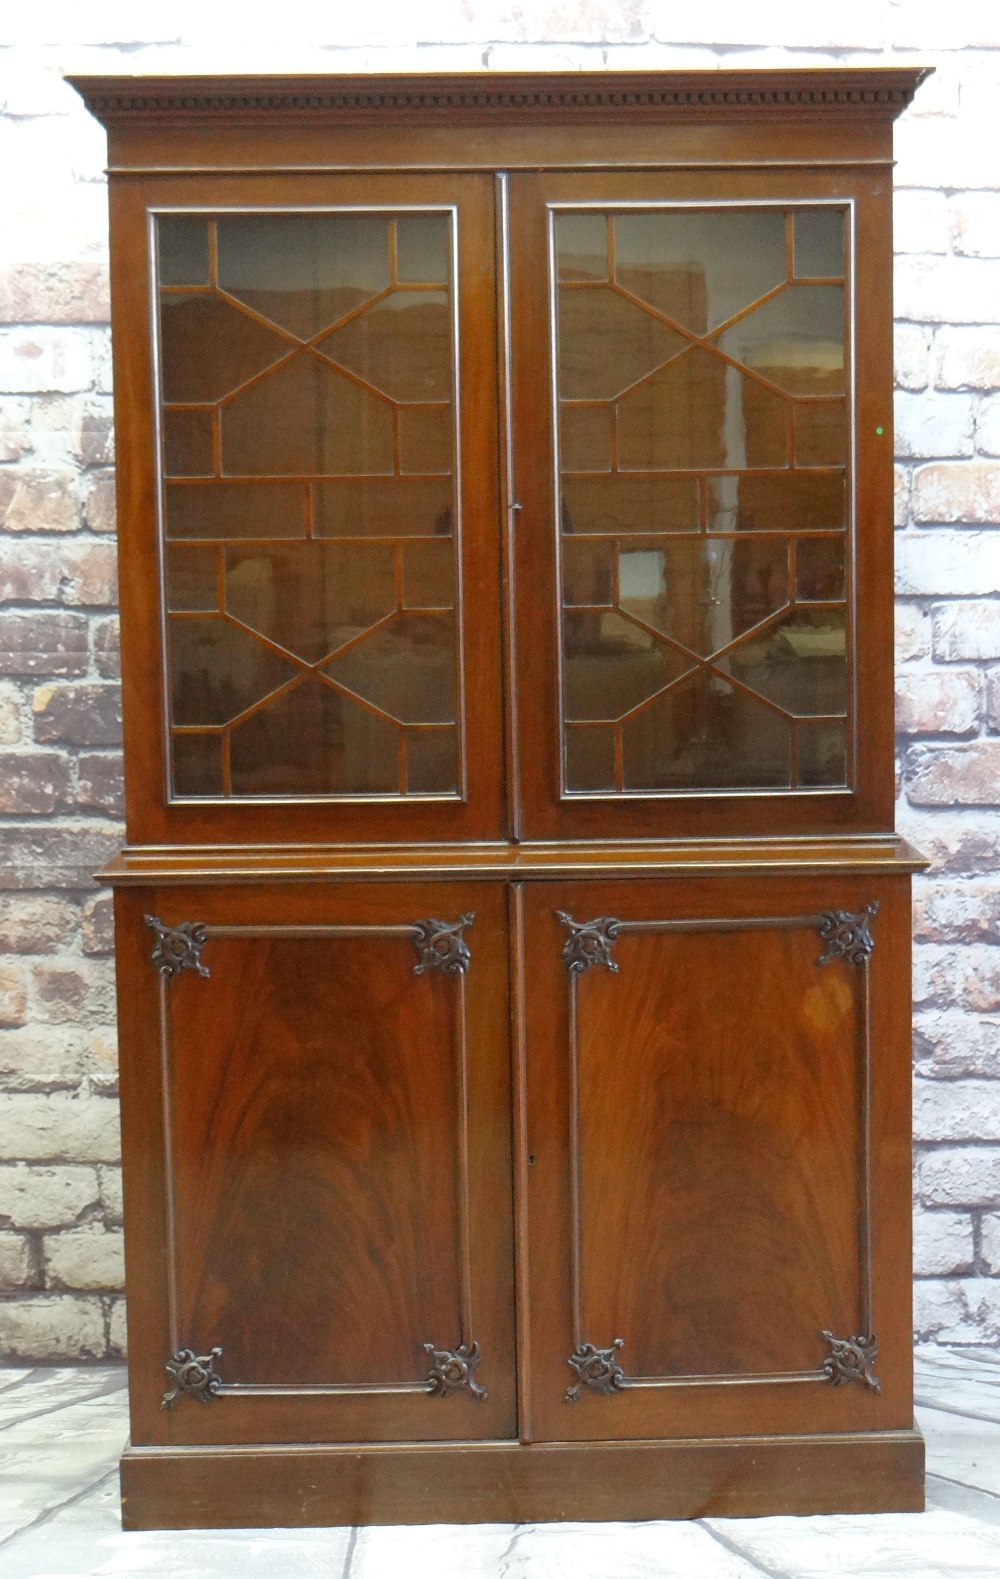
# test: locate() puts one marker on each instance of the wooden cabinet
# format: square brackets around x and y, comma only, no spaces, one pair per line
[513,942]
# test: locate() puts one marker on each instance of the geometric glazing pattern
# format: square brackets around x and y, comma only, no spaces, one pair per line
[308,432]
[702,377]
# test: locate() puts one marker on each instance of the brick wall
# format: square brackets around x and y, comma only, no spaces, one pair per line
[60,1242]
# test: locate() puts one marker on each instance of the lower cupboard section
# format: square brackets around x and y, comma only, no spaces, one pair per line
[468,1483]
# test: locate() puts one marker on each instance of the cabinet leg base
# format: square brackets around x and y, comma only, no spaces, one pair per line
[506,1482]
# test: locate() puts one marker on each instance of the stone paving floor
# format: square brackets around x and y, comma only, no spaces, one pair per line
[61,1431]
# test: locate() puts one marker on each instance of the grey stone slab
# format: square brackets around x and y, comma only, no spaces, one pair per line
[55,1388]
[963,1449]
[884,1544]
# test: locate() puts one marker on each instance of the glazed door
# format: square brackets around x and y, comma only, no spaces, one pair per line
[307,422]
[318,1182]
[701,462]
[715,1159]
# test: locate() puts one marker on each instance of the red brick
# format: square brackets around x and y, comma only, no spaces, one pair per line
[97,434]
[957,492]
[61,854]
[959,912]
[48,644]
[98,925]
[13,1000]
[54,292]
[33,783]
[29,573]
[969,629]
[89,574]
[101,785]
[965,775]
[36,923]
[99,502]
[39,501]
[107,651]
[80,715]
[930,703]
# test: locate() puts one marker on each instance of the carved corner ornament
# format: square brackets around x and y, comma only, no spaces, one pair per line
[595,1369]
[441,946]
[178,948]
[452,1370]
[589,942]
[848,935]
[193,1376]
[851,1360]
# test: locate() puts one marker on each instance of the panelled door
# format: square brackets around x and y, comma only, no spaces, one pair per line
[701,410]
[718,1235]
[320,1219]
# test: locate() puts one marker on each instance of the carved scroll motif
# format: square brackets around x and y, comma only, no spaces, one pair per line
[851,1360]
[848,936]
[441,946]
[179,947]
[595,1369]
[452,1370]
[193,1376]
[589,942]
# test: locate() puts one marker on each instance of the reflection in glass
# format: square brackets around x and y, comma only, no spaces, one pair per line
[422,242]
[820,569]
[303,271]
[590,759]
[582,246]
[182,250]
[192,578]
[606,343]
[820,433]
[313,597]
[699,266]
[819,243]
[585,442]
[426,439]
[588,573]
[704,733]
[796,340]
[700,412]
[780,502]
[383,507]
[822,755]
[799,663]
[703,594]
[210,348]
[431,766]
[187,443]
[428,575]
[313,741]
[236,509]
[629,503]
[306,418]
[402,346]
[610,665]
[197,761]
[406,669]
[217,670]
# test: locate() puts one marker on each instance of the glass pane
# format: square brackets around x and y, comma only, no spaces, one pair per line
[588,573]
[422,245]
[703,594]
[431,765]
[820,569]
[700,267]
[210,348]
[819,243]
[799,663]
[313,741]
[820,433]
[406,669]
[316,347]
[785,502]
[389,507]
[428,575]
[192,578]
[311,598]
[796,340]
[701,412]
[704,734]
[218,671]
[187,444]
[197,764]
[590,759]
[182,250]
[701,396]
[303,271]
[626,502]
[822,755]
[582,246]
[611,665]
[236,509]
